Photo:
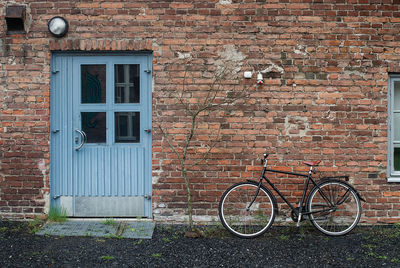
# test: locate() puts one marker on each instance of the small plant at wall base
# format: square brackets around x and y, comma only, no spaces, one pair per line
[199,102]
[57,214]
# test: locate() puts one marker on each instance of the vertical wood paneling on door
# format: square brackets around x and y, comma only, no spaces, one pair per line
[133,171]
[140,168]
[94,176]
[61,123]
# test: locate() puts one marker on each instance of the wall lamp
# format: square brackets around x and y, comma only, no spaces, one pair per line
[58,26]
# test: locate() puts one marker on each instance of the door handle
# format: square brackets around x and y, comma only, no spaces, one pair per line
[147,130]
[83,139]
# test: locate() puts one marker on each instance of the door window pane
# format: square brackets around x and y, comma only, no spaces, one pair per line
[93,83]
[127,83]
[94,125]
[127,127]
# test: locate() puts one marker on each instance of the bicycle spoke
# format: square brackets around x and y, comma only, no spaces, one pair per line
[246,213]
[344,198]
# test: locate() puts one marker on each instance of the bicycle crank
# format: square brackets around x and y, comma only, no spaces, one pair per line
[294,214]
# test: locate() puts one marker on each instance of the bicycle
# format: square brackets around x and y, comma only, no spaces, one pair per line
[248,209]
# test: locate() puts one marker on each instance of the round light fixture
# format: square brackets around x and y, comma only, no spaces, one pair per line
[58,26]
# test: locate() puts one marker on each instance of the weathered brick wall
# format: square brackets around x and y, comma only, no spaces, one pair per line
[325,64]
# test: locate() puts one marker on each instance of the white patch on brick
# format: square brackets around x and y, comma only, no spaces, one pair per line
[296,126]
[176,218]
[46,198]
[231,53]
[11,60]
[42,166]
[230,61]
[300,50]
[161,205]
[156,175]
[272,67]
[360,74]
[184,55]
[156,47]
[225,2]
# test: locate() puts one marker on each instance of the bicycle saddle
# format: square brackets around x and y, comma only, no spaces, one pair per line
[312,163]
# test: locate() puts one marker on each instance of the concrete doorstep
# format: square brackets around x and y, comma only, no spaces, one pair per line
[108,228]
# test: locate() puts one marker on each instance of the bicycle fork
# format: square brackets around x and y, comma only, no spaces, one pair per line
[255,196]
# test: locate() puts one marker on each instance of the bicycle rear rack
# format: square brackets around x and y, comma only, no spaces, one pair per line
[345,177]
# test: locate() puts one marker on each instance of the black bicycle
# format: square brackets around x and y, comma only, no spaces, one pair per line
[247,209]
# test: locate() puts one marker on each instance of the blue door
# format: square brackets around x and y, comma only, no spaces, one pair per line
[101,135]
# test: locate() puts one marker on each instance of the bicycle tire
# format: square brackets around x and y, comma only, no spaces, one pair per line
[343,216]
[241,220]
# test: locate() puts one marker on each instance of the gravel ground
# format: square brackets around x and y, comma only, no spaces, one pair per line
[280,247]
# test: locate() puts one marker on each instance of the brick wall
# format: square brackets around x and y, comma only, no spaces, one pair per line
[325,65]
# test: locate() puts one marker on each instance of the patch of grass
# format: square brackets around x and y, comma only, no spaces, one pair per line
[215,230]
[175,236]
[16,229]
[166,240]
[138,242]
[57,214]
[391,231]
[35,225]
[371,254]
[395,260]
[35,254]
[156,255]
[284,237]
[114,236]
[107,258]
[3,229]
[369,246]
[110,222]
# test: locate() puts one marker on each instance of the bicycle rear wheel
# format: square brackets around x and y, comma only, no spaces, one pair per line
[335,207]
[245,213]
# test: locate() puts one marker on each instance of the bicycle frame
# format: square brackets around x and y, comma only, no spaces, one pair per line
[300,213]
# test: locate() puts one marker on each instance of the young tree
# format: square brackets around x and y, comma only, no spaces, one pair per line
[221,89]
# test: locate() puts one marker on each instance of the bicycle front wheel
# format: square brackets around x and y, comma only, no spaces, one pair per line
[246,213]
[335,208]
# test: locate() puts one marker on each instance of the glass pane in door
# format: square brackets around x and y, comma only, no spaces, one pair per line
[94,125]
[127,83]
[93,83]
[127,127]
